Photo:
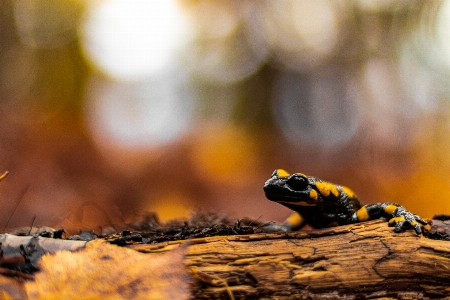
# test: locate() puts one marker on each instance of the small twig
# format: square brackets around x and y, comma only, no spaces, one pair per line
[31,227]
[255,220]
[4,175]
[17,205]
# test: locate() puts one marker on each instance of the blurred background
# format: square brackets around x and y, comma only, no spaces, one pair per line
[110,108]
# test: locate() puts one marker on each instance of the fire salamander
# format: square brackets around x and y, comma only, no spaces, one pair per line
[324,204]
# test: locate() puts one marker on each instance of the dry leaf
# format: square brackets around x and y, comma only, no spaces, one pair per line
[11,288]
[104,271]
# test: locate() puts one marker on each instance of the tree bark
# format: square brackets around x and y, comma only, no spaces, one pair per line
[358,261]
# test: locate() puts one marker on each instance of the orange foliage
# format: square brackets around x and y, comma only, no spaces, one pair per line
[104,271]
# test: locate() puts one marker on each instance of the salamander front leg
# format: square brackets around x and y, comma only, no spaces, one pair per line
[292,223]
[395,213]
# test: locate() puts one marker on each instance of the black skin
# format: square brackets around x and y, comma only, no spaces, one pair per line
[323,204]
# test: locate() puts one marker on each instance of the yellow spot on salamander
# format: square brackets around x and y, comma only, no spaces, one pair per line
[295,221]
[282,173]
[348,191]
[321,186]
[334,190]
[396,220]
[413,223]
[390,209]
[313,195]
[362,214]
[325,188]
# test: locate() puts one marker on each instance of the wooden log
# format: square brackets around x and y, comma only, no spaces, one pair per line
[358,261]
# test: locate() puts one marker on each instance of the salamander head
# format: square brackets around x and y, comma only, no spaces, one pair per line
[292,189]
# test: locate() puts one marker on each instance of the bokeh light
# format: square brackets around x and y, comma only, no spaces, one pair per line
[228,49]
[139,115]
[316,110]
[442,32]
[302,34]
[133,39]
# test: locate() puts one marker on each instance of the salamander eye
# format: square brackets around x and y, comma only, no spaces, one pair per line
[297,182]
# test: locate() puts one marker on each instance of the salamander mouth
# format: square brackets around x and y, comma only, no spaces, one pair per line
[287,197]
[290,201]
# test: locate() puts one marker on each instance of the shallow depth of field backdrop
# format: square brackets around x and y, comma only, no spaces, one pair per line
[110,108]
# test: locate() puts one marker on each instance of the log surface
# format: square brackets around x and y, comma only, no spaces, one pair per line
[358,261]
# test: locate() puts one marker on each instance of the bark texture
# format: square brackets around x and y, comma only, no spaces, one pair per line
[358,261]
